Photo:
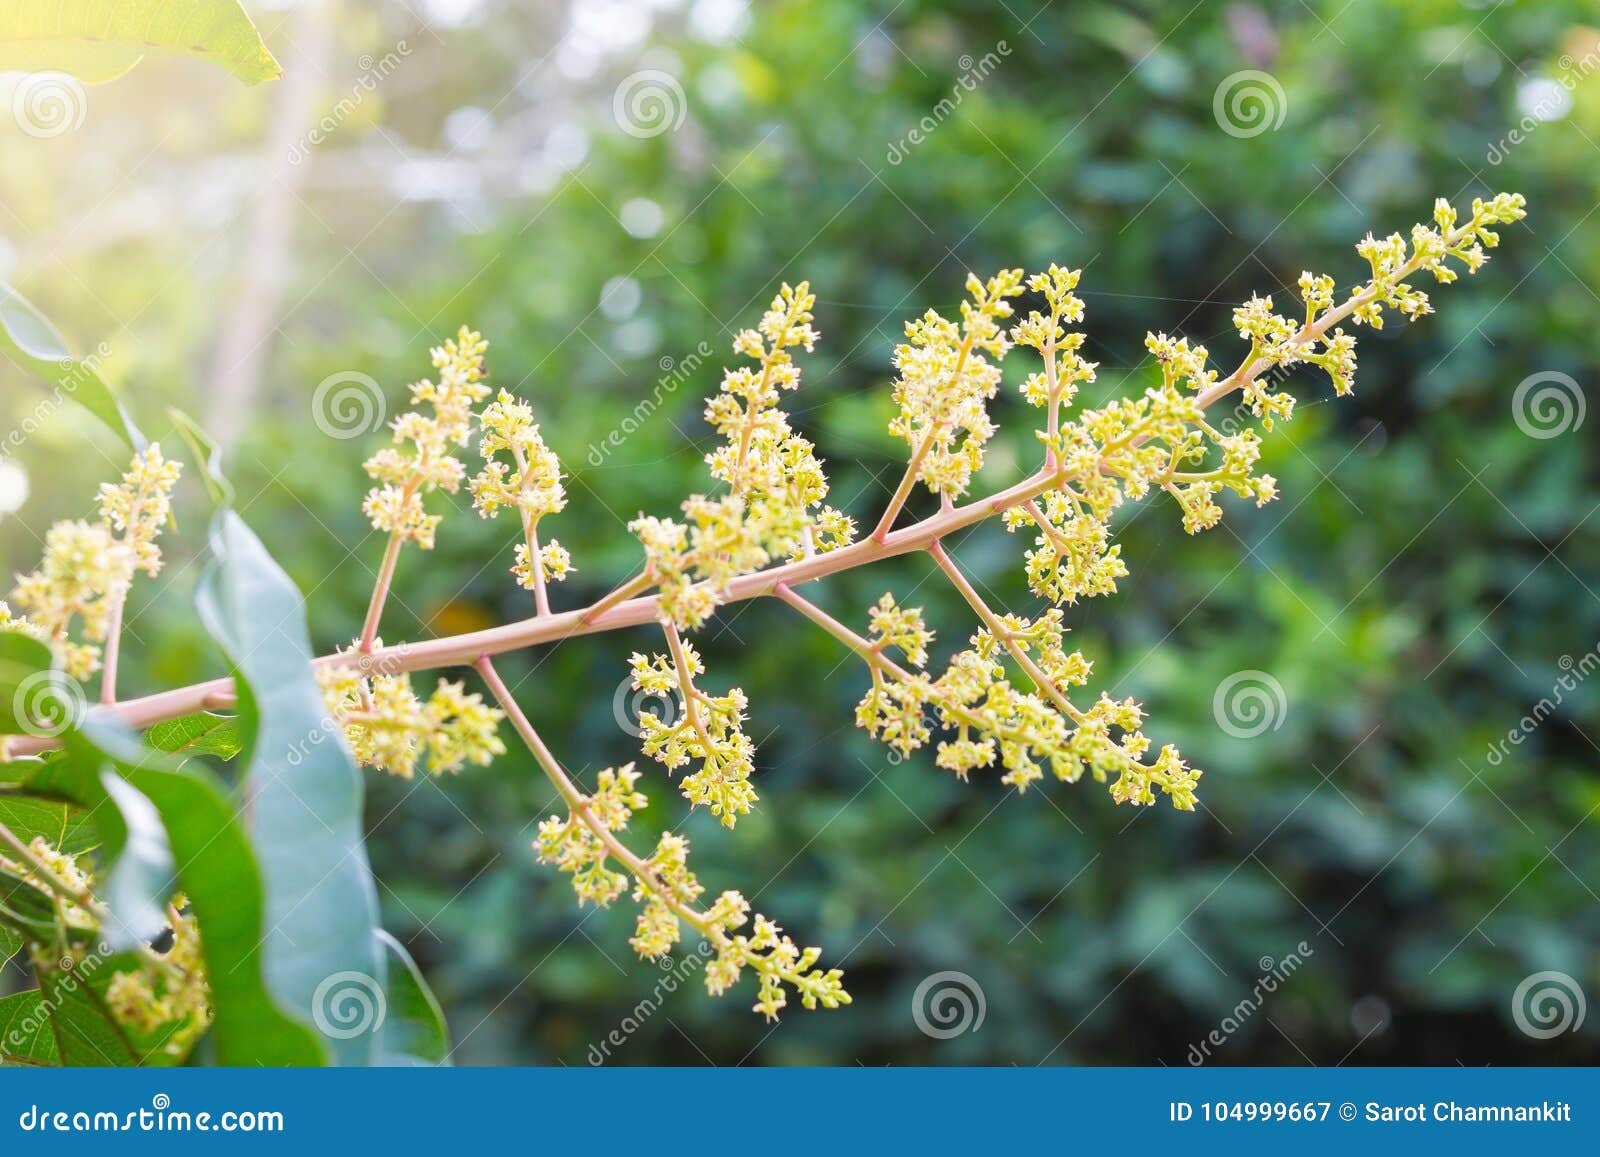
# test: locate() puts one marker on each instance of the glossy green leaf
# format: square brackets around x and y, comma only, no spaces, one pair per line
[218,872]
[202,734]
[10,943]
[86,1031]
[25,1037]
[36,700]
[304,789]
[414,1031]
[66,827]
[33,343]
[207,454]
[136,865]
[25,909]
[140,881]
[98,40]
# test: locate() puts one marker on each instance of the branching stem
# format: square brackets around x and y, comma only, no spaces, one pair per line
[578,803]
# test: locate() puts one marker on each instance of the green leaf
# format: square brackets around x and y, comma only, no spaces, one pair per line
[99,40]
[136,875]
[25,1037]
[31,341]
[304,789]
[219,874]
[66,827]
[208,456]
[414,1031]
[136,888]
[203,734]
[35,700]
[85,1031]
[10,944]
[25,909]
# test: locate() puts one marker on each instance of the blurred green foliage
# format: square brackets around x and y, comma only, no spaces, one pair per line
[1414,592]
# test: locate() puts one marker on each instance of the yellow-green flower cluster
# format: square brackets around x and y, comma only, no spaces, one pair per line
[166,991]
[530,484]
[946,381]
[774,507]
[709,729]
[778,962]
[67,878]
[1162,439]
[576,848]
[138,507]
[1027,732]
[1106,456]
[1056,384]
[176,991]
[88,566]
[584,844]
[422,458]
[389,727]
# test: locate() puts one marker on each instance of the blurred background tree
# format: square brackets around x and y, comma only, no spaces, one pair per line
[1428,577]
